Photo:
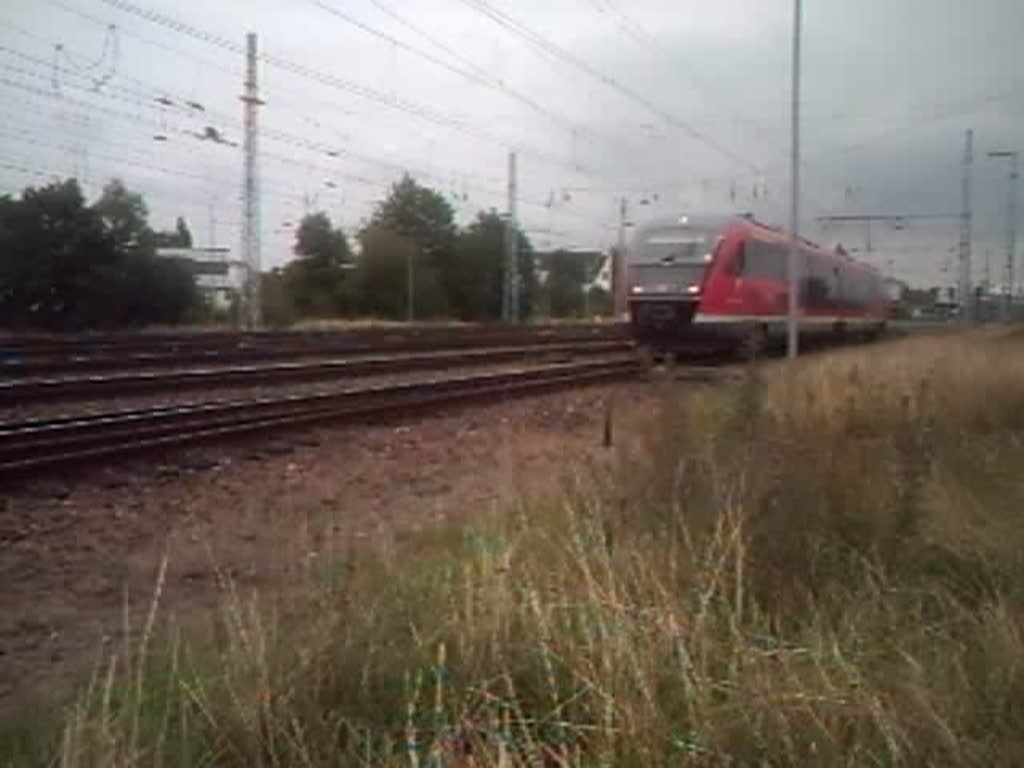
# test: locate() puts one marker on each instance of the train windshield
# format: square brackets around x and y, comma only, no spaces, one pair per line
[673,255]
[675,246]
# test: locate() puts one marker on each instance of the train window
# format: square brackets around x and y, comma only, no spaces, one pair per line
[815,281]
[857,289]
[765,261]
[675,245]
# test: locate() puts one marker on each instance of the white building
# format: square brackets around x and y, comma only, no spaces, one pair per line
[218,277]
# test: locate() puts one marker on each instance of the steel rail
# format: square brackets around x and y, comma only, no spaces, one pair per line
[24,359]
[15,391]
[39,444]
[141,341]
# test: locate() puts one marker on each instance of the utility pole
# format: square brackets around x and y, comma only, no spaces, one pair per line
[510,292]
[964,290]
[251,196]
[212,209]
[1011,232]
[619,265]
[792,265]
[409,284]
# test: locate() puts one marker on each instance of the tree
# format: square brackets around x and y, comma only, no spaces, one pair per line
[567,275]
[423,216]
[599,301]
[385,262]
[152,290]
[413,225]
[183,233]
[57,263]
[278,308]
[124,216]
[477,273]
[67,266]
[181,237]
[418,213]
[317,282]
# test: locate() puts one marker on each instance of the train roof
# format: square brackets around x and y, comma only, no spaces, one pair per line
[705,221]
[714,222]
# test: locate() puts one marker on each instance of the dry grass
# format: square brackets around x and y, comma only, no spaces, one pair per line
[821,565]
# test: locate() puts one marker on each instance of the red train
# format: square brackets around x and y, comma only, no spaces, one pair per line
[722,280]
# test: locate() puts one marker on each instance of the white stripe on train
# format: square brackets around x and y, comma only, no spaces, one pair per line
[706,319]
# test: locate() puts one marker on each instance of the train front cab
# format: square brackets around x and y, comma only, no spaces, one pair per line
[666,268]
[673,315]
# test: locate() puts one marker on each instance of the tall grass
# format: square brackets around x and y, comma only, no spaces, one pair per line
[822,564]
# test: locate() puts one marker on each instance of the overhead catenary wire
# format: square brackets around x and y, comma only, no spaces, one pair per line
[320,148]
[208,37]
[292,140]
[406,106]
[202,181]
[560,54]
[494,193]
[32,167]
[233,46]
[468,70]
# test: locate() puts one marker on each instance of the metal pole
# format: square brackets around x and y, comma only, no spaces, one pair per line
[410,287]
[1011,232]
[251,218]
[792,266]
[965,232]
[510,288]
[619,265]
[1011,237]
[213,221]
[988,276]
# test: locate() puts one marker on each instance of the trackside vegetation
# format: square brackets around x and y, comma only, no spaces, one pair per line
[819,564]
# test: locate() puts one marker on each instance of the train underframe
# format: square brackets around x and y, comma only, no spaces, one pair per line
[676,327]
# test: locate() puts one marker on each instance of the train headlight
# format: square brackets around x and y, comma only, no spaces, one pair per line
[691,289]
[637,289]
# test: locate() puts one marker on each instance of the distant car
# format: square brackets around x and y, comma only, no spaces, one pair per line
[722,280]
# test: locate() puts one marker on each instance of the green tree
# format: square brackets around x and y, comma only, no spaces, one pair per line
[477,273]
[180,237]
[183,233]
[152,290]
[278,308]
[599,301]
[68,266]
[414,223]
[124,215]
[567,276]
[419,214]
[317,282]
[58,265]
[385,263]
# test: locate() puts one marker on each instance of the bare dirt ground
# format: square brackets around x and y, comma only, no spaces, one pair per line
[78,552]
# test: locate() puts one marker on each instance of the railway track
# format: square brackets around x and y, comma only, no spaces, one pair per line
[14,391]
[36,356]
[52,443]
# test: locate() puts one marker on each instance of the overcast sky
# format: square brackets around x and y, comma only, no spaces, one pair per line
[677,105]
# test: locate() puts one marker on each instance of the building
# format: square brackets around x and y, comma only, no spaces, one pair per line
[218,277]
[894,289]
[596,266]
[581,272]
